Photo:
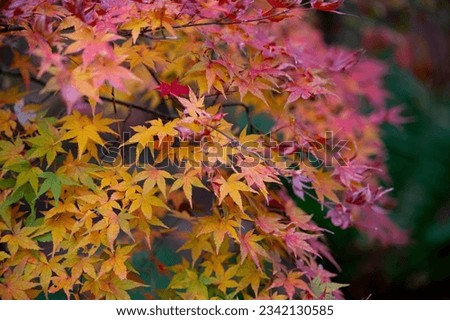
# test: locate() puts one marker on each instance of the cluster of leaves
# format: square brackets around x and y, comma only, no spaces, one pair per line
[73,212]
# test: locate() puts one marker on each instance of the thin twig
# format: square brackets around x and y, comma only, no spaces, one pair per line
[113,100]
[138,107]
[219,23]
[18,75]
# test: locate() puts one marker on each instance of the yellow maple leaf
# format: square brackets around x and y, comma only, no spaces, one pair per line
[146,202]
[7,121]
[219,227]
[20,237]
[325,186]
[145,136]
[84,130]
[249,276]
[187,180]
[152,177]
[226,279]
[232,187]
[15,286]
[196,244]
[189,280]
[116,262]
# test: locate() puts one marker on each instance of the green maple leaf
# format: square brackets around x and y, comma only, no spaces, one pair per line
[53,183]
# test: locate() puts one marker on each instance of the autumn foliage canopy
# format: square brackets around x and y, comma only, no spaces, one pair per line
[206,124]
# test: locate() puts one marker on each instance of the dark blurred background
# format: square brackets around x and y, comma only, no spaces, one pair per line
[412,38]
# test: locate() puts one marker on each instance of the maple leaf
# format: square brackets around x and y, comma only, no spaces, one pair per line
[7,121]
[322,290]
[80,170]
[306,86]
[46,144]
[46,268]
[53,183]
[186,181]
[84,130]
[146,202]
[173,89]
[245,85]
[340,216]
[193,105]
[325,186]
[298,184]
[110,287]
[62,282]
[116,262]
[141,55]
[110,71]
[10,96]
[249,276]
[58,220]
[351,173]
[28,175]
[299,218]
[197,244]
[225,280]
[152,177]
[15,286]
[284,3]
[249,246]
[92,43]
[258,175]
[145,135]
[188,280]
[20,237]
[290,283]
[270,223]
[135,25]
[118,288]
[342,60]
[330,6]
[23,63]
[209,74]
[296,242]
[11,152]
[219,227]
[215,262]
[232,187]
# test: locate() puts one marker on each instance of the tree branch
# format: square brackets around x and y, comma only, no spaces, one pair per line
[138,107]
[220,23]
[113,100]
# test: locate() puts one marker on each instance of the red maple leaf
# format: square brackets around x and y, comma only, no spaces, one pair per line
[174,88]
[331,6]
[284,3]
